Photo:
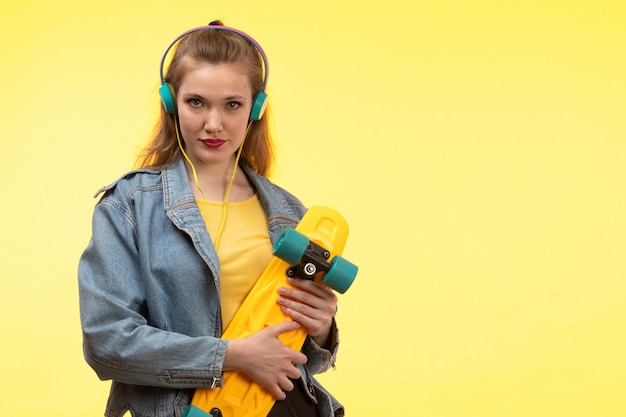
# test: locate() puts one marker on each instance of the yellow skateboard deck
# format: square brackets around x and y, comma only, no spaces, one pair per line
[326,232]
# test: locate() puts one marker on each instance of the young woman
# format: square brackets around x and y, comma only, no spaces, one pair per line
[178,243]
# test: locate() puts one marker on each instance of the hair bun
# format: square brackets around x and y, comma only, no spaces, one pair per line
[216,23]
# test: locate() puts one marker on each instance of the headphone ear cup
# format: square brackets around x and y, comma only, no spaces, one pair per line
[167,98]
[258,106]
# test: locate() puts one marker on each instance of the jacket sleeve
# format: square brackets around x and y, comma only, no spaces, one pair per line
[118,340]
[319,358]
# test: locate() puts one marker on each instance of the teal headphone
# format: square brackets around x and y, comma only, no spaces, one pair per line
[260,100]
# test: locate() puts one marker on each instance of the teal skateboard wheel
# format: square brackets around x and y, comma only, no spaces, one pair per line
[340,275]
[291,246]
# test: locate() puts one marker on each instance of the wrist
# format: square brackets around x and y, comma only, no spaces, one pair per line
[235,351]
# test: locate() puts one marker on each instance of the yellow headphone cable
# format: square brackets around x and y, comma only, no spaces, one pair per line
[220,230]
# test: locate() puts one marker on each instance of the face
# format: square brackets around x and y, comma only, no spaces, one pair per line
[213,103]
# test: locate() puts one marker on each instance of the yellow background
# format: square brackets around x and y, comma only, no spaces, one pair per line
[477,149]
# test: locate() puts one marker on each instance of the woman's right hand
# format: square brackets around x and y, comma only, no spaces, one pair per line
[266,359]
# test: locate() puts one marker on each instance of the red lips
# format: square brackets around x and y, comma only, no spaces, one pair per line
[213,143]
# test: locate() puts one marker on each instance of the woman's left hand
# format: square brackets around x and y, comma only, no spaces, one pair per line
[311,305]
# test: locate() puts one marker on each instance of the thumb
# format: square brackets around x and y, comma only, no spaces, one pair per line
[280,328]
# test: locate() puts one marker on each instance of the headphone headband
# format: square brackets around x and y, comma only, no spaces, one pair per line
[259,103]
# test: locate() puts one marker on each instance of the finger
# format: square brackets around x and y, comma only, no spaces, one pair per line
[294,373]
[304,319]
[299,358]
[280,328]
[307,304]
[300,296]
[309,293]
[277,392]
[286,385]
[310,286]
[298,310]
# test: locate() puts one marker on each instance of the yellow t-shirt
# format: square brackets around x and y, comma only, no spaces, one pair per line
[244,250]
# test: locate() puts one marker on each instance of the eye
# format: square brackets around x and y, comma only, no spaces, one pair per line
[233,105]
[194,102]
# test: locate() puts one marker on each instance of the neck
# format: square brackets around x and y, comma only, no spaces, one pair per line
[214,181]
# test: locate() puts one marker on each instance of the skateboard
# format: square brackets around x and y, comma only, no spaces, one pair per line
[310,251]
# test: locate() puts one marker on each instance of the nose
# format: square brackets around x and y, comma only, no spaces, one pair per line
[213,120]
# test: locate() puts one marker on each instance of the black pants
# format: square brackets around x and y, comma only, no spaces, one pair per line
[297,404]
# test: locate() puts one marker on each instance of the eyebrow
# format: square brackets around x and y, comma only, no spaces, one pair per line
[228,98]
[236,97]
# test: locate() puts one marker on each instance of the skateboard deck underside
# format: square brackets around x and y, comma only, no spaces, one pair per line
[240,396]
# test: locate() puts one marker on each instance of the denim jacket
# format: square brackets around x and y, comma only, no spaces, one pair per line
[149,285]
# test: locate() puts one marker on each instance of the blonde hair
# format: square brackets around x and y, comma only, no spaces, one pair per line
[214,47]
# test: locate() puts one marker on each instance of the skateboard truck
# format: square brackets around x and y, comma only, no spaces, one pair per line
[307,258]
[313,261]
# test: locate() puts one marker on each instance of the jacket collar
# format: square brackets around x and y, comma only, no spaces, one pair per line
[280,206]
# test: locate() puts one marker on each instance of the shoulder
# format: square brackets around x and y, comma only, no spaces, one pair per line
[139,179]
[288,197]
